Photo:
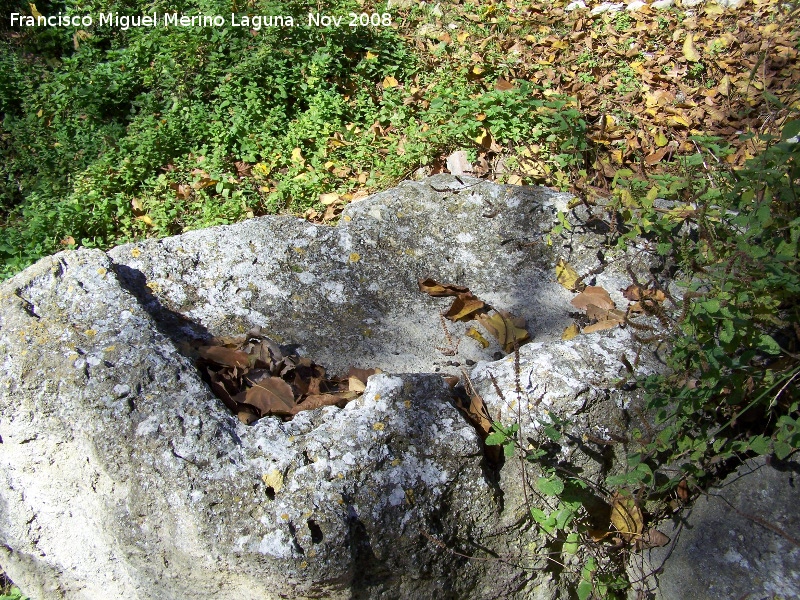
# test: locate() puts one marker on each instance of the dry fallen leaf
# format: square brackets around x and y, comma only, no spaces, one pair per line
[225,356]
[436,289]
[593,295]
[636,292]
[567,276]
[503,85]
[606,319]
[464,307]
[319,400]
[653,538]
[328,199]
[656,156]
[570,332]
[355,384]
[254,378]
[270,395]
[474,408]
[458,164]
[362,374]
[476,335]
[509,330]
[626,515]
[683,490]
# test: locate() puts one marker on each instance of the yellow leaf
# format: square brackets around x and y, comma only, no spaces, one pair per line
[297,156]
[660,139]
[652,194]
[137,206]
[146,220]
[724,86]
[371,55]
[36,14]
[567,276]
[40,113]
[626,516]
[514,179]
[570,332]
[484,138]
[627,198]
[509,330]
[389,82]
[328,199]
[464,307]
[678,121]
[477,70]
[689,51]
[476,335]
[461,37]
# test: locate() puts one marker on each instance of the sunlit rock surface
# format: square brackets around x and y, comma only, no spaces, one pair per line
[122,476]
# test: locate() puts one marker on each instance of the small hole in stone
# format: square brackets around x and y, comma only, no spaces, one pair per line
[316,532]
[270,492]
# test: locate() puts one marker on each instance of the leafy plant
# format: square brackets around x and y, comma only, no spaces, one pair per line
[564,520]
[13,593]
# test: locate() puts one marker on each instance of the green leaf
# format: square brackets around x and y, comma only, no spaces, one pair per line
[495,438]
[553,433]
[508,449]
[584,590]
[760,444]
[768,344]
[782,450]
[571,543]
[550,486]
[585,587]
[545,521]
[564,517]
[790,129]
[727,332]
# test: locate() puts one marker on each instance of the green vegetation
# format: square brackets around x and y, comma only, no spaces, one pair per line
[109,135]
[729,241]
[686,144]
[9,591]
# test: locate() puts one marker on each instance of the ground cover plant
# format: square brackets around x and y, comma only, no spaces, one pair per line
[673,127]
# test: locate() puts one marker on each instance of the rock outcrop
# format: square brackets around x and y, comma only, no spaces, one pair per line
[741,539]
[121,475]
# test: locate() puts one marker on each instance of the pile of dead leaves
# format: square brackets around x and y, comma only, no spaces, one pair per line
[509,330]
[254,378]
[600,310]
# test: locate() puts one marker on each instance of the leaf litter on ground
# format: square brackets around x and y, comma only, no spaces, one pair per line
[255,378]
[507,329]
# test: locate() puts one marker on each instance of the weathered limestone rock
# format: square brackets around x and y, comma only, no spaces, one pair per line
[121,475]
[348,295]
[741,540]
